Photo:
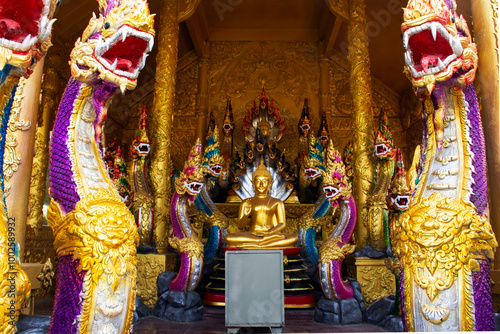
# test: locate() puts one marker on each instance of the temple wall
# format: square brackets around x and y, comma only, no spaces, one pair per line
[289,71]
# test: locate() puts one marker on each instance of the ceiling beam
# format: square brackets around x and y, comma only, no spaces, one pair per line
[331,36]
[264,35]
[198,29]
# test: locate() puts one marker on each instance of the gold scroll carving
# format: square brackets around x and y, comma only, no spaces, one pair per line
[360,87]
[149,266]
[375,279]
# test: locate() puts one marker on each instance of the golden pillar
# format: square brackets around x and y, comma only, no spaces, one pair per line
[46,113]
[202,98]
[324,84]
[362,123]
[19,147]
[486,31]
[173,12]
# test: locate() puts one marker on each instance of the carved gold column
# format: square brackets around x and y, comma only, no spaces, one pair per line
[19,146]
[46,113]
[324,84]
[362,124]
[202,98]
[486,31]
[173,12]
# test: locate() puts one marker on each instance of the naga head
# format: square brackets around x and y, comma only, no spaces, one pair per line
[438,44]
[305,120]
[335,182]
[228,124]
[190,179]
[115,45]
[25,28]
[315,160]
[141,144]
[212,158]
[384,146]
[323,134]
[398,198]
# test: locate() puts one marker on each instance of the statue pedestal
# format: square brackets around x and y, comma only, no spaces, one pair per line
[375,279]
[298,289]
[149,267]
[32,270]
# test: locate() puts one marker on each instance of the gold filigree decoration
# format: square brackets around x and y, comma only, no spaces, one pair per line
[101,233]
[46,276]
[149,266]
[12,159]
[216,219]
[330,250]
[442,236]
[191,245]
[376,282]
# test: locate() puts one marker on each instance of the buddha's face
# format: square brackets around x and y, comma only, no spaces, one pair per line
[261,184]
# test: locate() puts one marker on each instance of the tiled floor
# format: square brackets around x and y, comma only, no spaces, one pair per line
[296,321]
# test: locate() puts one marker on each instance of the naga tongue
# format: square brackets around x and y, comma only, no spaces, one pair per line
[429,60]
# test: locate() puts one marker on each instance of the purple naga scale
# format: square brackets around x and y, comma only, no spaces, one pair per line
[485,319]
[62,186]
[479,195]
[67,298]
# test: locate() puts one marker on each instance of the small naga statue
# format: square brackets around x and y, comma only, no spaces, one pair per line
[217,222]
[332,252]
[187,187]
[304,128]
[142,204]
[323,134]
[444,240]
[378,213]
[109,156]
[121,178]
[308,223]
[95,233]
[25,30]
[227,146]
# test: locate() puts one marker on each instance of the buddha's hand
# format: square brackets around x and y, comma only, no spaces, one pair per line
[246,207]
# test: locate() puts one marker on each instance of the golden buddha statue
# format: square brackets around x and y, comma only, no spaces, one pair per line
[267,217]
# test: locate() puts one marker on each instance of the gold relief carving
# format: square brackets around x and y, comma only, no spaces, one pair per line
[186,87]
[186,8]
[149,266]
[182,140]
[375,279]
[11,156]
[360,84]
[289,71]
[441,236]
[162,116]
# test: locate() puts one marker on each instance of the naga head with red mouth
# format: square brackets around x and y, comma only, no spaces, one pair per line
[305,120]
[228,125]
[25,28]
[315,160]
[212,158]
[335,182]
[384,146]
[115,45]
[190,180]
[398,197]
[141,145]
[438,44]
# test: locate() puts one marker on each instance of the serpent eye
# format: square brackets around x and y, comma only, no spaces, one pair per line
[107,25]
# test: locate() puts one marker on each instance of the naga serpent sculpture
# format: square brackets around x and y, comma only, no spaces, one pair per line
[314,166]
[332,252]
[379,215]
[95,233]
[187,187]
[25,29]
[142,204]
[444,240]
[213,217]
